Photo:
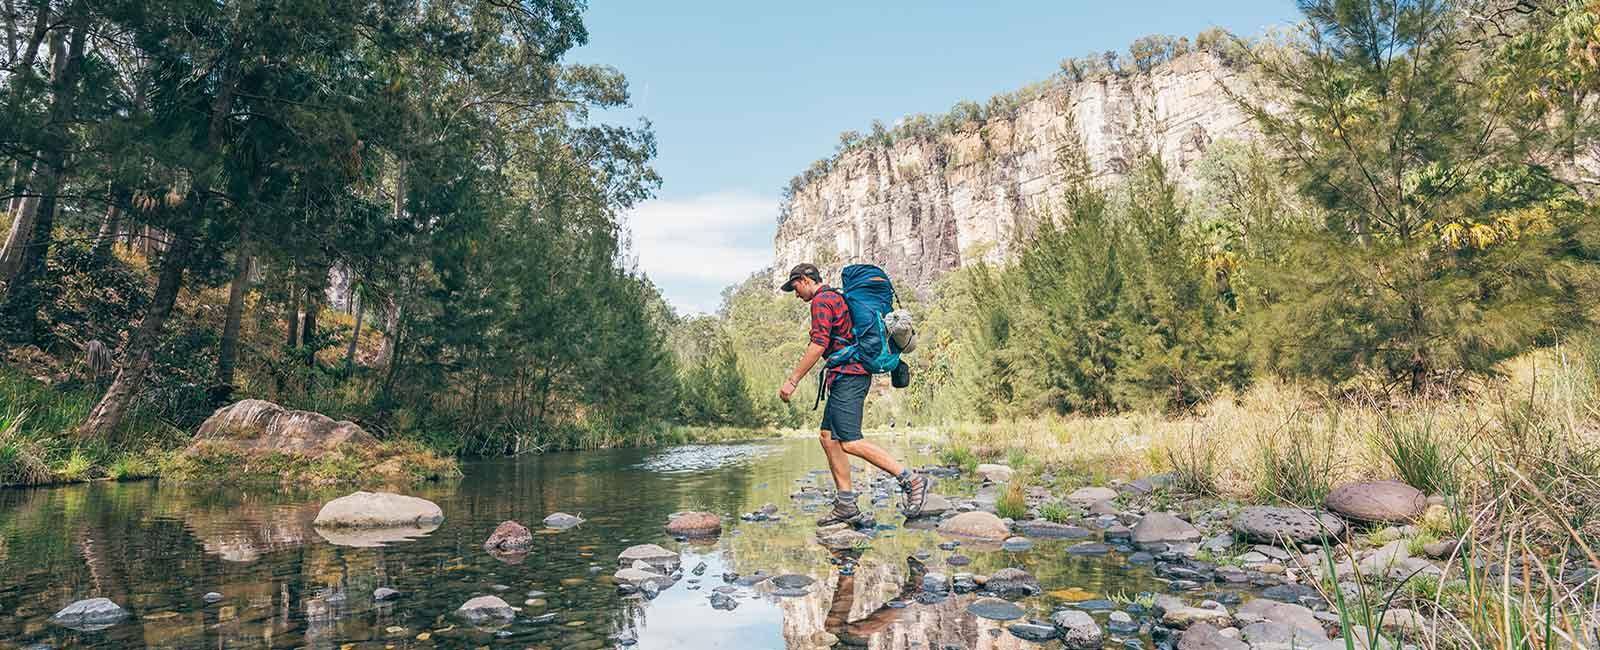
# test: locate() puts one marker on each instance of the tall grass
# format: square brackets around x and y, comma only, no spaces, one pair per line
[1419,454]
[1298,461]
[37,444]
[1013,503]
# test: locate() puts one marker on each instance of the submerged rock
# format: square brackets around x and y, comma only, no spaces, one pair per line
[695,524]
[1051,530]
[842,538]
[1175,613]
[995,609]
[1017,544]
[1390,502]
[378,510]
[486,609]
[509,536]
[1035,632]
[1013,584]
[385,593]
[90,615]
[211,597]
[561,520]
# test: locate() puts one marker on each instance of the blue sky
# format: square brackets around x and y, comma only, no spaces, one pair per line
[744,95]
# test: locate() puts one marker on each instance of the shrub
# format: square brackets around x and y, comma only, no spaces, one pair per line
[1014,503]
[1055,512]
[961,457]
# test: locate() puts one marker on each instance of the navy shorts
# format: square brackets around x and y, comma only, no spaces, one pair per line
[846,398]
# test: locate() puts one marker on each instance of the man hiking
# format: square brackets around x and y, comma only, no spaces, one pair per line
[847,388]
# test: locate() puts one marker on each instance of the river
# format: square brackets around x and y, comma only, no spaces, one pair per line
[157,550]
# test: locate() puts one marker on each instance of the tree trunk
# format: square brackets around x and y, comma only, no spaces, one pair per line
[308,335]
[355,335]
[109,226]
[294,317]
[228,350]
[136,359]
[22,296]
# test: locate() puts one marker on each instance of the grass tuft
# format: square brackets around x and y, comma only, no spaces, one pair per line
[1013,503]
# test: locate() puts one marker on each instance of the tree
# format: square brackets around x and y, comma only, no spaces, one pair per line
[1445,243]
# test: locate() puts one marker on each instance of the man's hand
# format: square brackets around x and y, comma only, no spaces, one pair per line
[787,391]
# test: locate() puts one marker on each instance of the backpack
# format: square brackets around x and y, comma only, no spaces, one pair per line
[870,296]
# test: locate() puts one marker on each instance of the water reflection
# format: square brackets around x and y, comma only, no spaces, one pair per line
[156,550]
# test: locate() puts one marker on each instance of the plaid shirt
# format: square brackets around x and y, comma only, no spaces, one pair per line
[830,328]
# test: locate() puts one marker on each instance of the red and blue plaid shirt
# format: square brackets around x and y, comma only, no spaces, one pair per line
[830,327]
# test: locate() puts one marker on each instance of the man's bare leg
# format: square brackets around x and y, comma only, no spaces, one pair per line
[874,454]
[838,461]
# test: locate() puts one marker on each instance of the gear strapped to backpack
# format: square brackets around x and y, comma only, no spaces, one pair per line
[870,296]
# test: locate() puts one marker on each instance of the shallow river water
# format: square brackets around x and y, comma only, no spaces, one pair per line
[158,549]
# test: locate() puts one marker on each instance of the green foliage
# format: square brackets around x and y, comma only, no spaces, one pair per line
[1423,457]
[1295,462]
[1438,245]
[1056,512]
[1013,503]
[959,457]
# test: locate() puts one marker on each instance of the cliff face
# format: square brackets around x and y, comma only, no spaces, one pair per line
[921,207]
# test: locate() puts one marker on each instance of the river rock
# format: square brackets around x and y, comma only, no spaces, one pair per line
[1163,527]
[934,506]
[486,609]
[1012,584]
[1051,530]
[561,520]
[1296,617]
[793,581]
[1016,544]
[385,593]
[1088,496]
[1176,613]
[842,539]
[976,524]
[211,598]
[994,472]
[509,536]
[995,609]
[258,427]
[378,510]
[695,524]
[1205,636]
[1275,525]
[90,615]
[650,554]
[1389,502]
[638,576]
[1078,629]
[723,602]
[1035,632]
[1268,634]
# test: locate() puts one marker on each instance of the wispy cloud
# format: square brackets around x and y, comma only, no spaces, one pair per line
[694,247]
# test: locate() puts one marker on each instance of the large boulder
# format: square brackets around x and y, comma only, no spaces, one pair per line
[259,426]
[1163,527]
[695,524]
[1388,502]
[977,525]
[379,510]
[934,506]
[90,615]
[1274,525]
[509,536]
[994,473]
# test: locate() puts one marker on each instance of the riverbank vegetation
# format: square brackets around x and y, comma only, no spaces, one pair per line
[401,215]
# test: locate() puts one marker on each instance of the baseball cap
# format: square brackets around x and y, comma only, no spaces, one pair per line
[802,270]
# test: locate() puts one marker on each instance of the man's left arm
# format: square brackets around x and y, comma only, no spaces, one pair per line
[812,355]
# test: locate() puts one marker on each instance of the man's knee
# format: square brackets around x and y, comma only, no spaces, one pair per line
[826,437]
[853,447]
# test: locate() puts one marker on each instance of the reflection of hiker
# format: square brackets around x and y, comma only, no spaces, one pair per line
[846,387]
[858,633]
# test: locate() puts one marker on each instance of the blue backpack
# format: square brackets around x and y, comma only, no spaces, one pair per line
[870,296]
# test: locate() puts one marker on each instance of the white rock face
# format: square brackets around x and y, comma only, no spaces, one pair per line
[378,510]
[922,207]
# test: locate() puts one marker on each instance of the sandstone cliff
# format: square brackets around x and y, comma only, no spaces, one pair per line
[923,206]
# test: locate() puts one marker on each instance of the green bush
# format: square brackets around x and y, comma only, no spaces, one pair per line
[1013,504]
[1421,457]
